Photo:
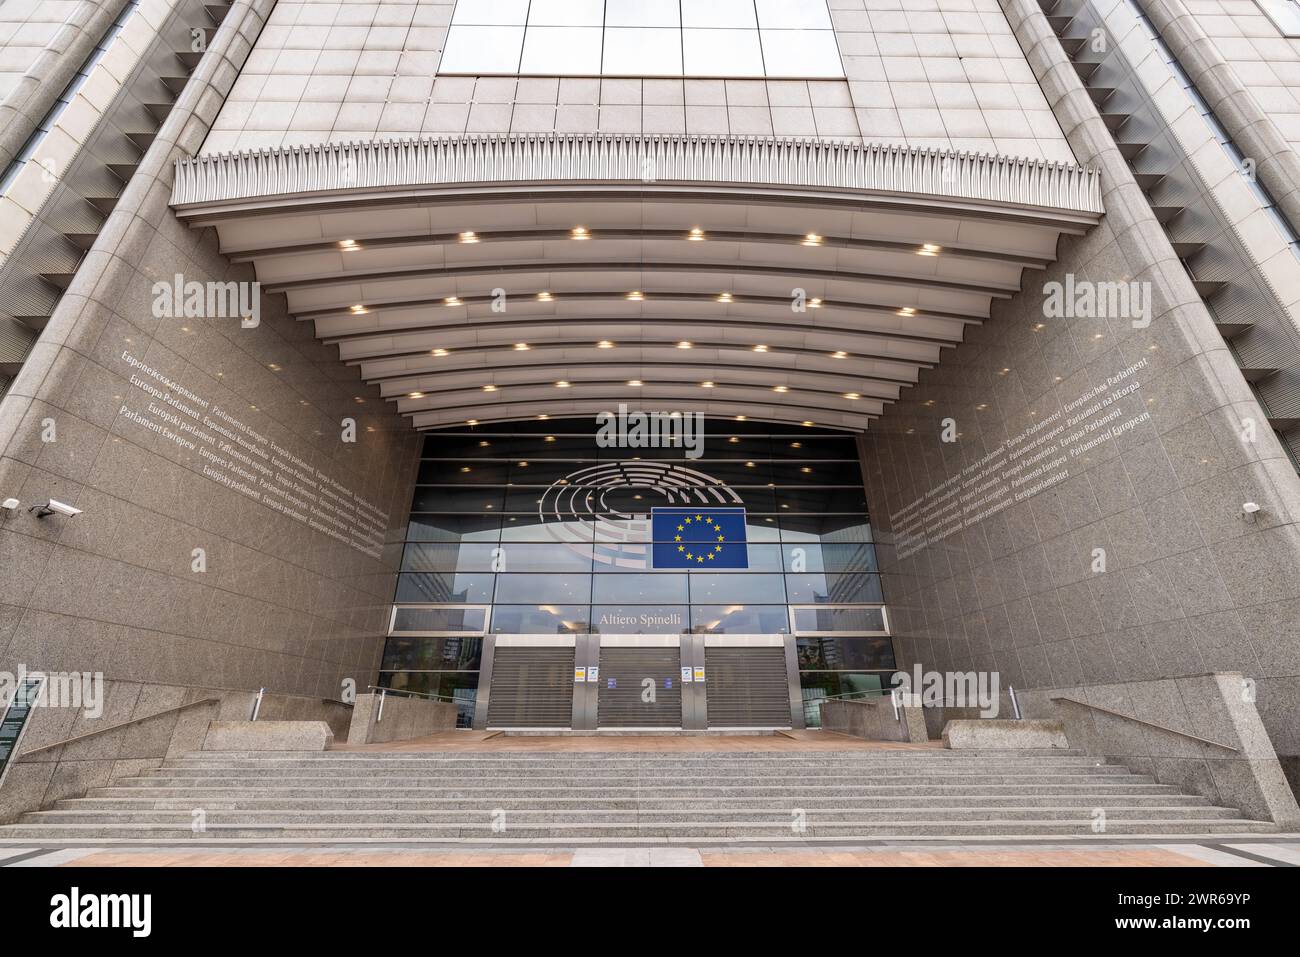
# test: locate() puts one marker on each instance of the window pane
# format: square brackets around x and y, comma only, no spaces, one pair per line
[833,588]
[448,557]
[545,557]
[839,619]
[454,528]
[736,588]
[793,14]
[740,619]
[444,587]
[482,50]
[566,13]
[460,687]
[812,557]
[845,654]
[539,619]
[638,589]
[568,589]
[567,50]
[433,654]
[719,13]
[491,11]
[642,51]
[801,53]
[642,13]
[470,620]
[722,52]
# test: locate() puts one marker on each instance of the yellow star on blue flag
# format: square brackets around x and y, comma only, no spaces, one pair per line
[698,538]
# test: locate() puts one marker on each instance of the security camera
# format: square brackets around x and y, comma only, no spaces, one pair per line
[51,507]
[10,504]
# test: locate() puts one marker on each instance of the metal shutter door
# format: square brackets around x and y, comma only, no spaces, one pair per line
[622,706]
[747,687]
[531,688]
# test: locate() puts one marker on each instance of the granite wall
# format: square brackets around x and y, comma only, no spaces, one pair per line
[243,493]
[1084,524]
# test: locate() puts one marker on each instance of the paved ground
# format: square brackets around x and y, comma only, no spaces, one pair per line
[1253,854]
[782,741]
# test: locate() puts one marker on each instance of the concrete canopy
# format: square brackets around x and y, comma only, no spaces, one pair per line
[503,278]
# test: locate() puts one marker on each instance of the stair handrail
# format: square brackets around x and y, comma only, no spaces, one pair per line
[116,727]
[1149,724]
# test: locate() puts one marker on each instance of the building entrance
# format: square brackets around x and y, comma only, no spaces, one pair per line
[639,682]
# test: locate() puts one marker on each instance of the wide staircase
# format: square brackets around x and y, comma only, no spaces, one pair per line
[577,798]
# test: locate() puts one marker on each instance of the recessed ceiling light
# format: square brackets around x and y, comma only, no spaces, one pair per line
[489,388]
[415,395]
[749,465]
[562,384]
[706,385]
[349,245]
[1004,370]
[907,311]
[742,418]
[468,237]
[725,297]
[806,470]
[543,416]
[796,445]
[808,423]
[544,297]
[523,465]
[695,235]
[634,383]
[484,444]
[465,468]
[839,354]
[451,301]
[811,239]
[814,303]
[852,395]
[733,439]
[780,388]
[982,406]
[684,344]
[760,348]
[550,438]
[359,310]
[604,344]
[471,421]
[929,249]
[522,347]
[440,352]
[636,295]
[580,232]
[1039,326]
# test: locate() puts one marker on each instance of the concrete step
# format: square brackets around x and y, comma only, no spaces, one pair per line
[597,803]
[919,825]
[499,767]
[720,792]
[585,816]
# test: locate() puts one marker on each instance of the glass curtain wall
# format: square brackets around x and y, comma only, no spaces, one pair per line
[534,529]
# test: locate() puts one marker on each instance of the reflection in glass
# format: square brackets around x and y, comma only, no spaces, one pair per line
[640,589]
[845,654]
[433,654]
[539,619]
[839,619]
[817,686]
[444,587]
[469,620]
[736,588]
[458,687]
[833,587]
[526,587]
[740,619]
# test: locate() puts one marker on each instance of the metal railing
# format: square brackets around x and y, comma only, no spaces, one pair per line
[718,160]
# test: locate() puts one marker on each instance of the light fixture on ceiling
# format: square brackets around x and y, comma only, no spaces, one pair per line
[543,416]
[696,235]
[725,297]
[469,236]
[811,239]
[706,385]
[685,344]
[604,344]
[522,347]
[907,311]
[580,232]
[489,388]
[636,295]
[742,418]
[545,297]
[634,383]
[839,354]
[562,384]
[808,423]
[349,245]
[760,348]
[359,310]
[780,388]
[814,303]
[733,440]
[415,395]
[929,249]
[452,301]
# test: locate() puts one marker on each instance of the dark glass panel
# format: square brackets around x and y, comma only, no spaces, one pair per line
[453,528]
[814,447]
[796,474]
[460,687]
[740,619]
[812,557]
[821,500]
[539,619]
[458,498]
[529,528]
[845,654]
[817,686]
[839,619]
[549,589]
[433,654]
[463,472]
[545,557]
[444,587]
[838,529]
[832,587]
[448,556]
[471,620]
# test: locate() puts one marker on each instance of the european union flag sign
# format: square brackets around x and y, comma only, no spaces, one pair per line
[699,538]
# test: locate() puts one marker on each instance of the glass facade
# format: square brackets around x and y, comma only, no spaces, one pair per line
[642,38]
[535,529]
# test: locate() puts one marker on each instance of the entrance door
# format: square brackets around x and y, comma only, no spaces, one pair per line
[751,681]
[639,682]
[526,682]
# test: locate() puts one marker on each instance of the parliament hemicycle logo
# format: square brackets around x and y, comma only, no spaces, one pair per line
[622,512]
